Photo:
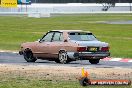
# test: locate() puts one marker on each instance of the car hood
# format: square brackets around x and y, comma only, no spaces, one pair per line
[28,44]
[91,43]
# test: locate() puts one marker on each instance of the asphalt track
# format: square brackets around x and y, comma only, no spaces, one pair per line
[14,58]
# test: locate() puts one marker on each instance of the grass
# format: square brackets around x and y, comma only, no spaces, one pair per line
[16,30]
[29,83]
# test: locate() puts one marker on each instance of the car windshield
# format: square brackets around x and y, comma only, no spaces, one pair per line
[82,36]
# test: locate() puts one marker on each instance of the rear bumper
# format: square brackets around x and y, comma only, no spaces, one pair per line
[88,55]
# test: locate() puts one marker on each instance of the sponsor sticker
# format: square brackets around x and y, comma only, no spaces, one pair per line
[85,80]
[9,3]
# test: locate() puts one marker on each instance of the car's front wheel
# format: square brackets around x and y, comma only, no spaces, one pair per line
[94,61]
[28,56]
[57,61]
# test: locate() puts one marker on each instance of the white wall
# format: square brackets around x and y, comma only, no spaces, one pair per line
[66,8]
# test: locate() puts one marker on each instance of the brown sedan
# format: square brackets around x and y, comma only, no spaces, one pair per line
[63,46]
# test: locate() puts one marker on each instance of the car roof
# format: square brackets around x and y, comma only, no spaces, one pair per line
[69,31]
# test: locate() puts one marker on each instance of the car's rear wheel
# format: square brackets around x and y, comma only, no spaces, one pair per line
[63,58]
[94,61]
[28,56]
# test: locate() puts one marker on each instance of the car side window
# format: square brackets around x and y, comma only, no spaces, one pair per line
[57,37]
[48,37]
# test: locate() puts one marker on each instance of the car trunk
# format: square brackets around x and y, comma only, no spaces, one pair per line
[92,46]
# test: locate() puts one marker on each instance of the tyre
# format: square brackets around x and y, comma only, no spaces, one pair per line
[28,56]
[63,57]
[94,61]
[57,61]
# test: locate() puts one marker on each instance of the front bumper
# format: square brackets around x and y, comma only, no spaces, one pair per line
[88,55]
[21,52]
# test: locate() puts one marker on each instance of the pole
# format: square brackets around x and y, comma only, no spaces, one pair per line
[21,7]
[35,4]
[130,7]
[26,7]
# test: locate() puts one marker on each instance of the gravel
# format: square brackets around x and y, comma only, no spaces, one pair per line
[62,72]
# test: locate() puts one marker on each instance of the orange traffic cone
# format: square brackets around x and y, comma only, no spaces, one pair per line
[84,80]
[84,73]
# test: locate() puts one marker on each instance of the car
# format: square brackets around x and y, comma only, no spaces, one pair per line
[64,46]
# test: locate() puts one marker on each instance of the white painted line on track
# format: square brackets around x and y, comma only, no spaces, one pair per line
[14,52]
[130,61]
[8,51]
[115,59]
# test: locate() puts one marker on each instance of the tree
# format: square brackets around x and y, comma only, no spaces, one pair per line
[106,4]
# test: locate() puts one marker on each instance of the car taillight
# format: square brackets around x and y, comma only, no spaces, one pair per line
[105,49]
[81,49]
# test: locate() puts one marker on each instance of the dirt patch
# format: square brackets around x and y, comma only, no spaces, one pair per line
[61,72]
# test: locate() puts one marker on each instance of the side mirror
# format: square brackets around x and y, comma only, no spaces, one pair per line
[38,40]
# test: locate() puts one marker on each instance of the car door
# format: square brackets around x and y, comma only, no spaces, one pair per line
[56,44]
[42,49]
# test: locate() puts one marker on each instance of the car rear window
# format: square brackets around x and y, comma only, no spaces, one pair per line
[82,36]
